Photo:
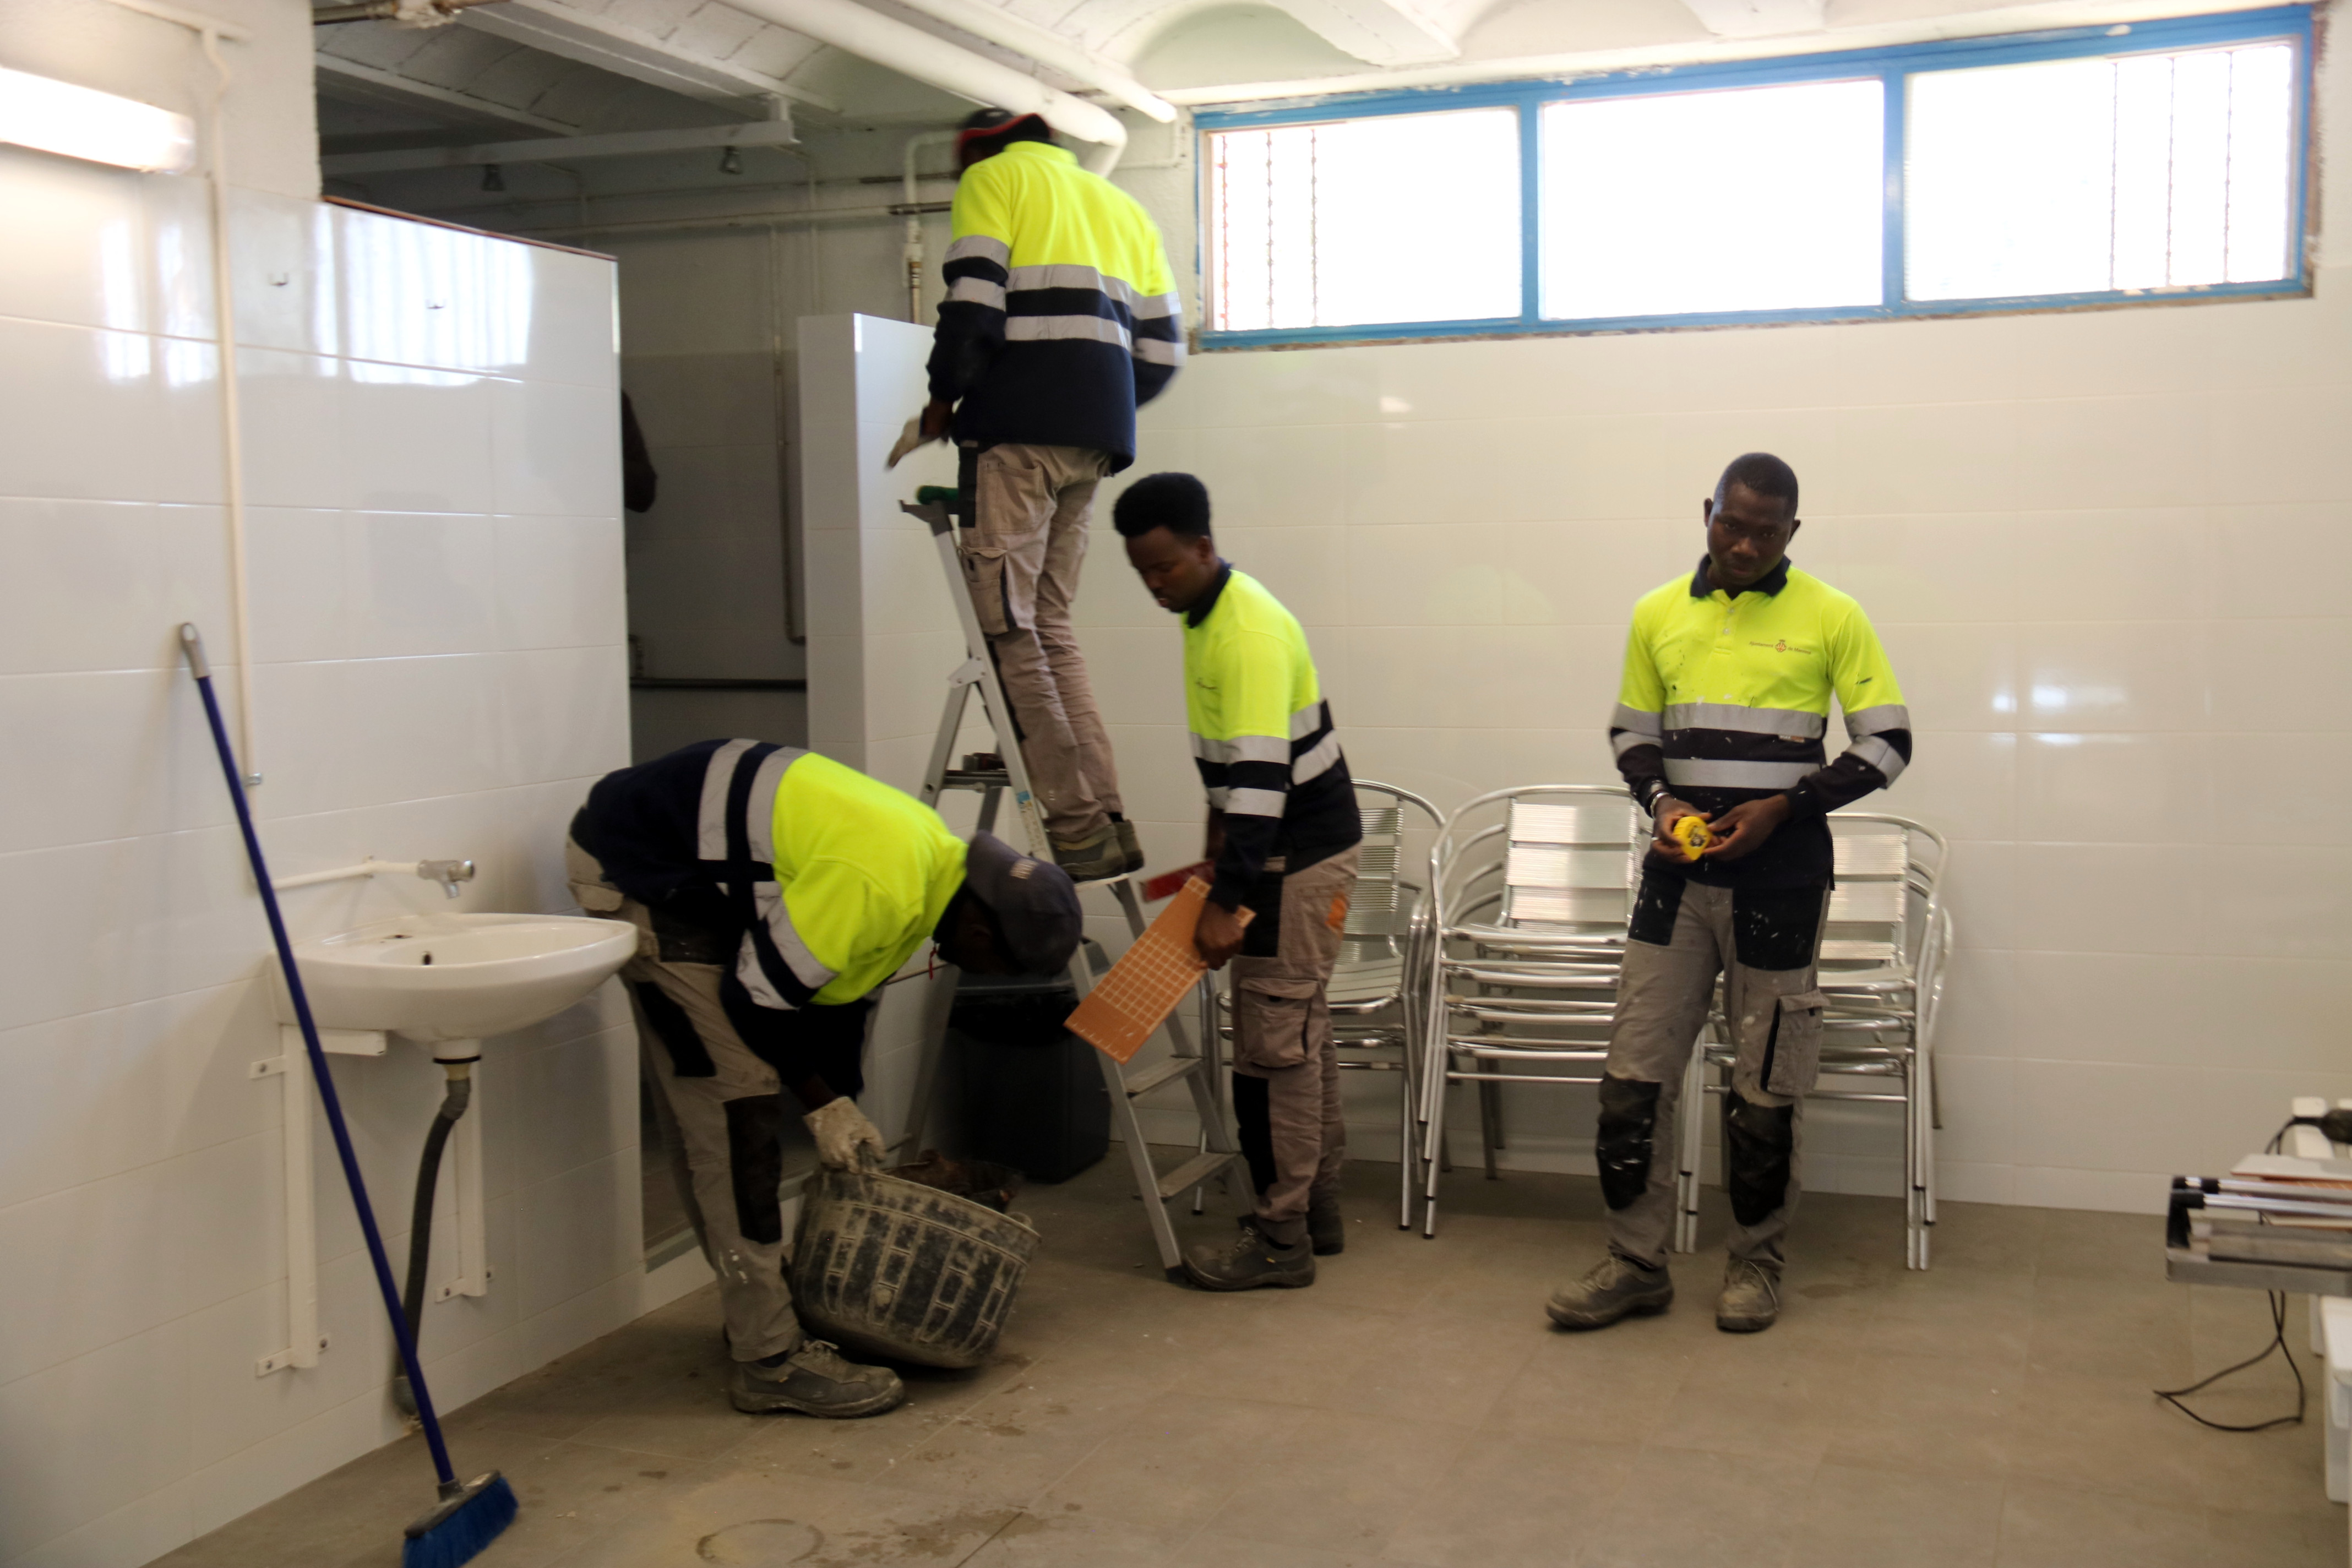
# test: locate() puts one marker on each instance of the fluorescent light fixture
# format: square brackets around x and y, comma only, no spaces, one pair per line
[82,123]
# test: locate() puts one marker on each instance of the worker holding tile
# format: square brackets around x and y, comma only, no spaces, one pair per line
[1061,318]
[774,891]
[1283,835]
[1718,731]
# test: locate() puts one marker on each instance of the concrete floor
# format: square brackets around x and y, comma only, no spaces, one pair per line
[1414,1407]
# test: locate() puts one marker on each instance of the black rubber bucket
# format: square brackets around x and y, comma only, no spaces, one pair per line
[894,1268]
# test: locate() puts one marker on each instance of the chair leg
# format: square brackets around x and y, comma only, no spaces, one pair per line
[1407,1145]
[1490,1130]
[1688,1152]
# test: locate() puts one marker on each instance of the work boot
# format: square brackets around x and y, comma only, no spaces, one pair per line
[1097,855]
[1249,1261]
[1614,1288]
[1750,1301]
[815,1381]
[1130,844]
[1327,1228]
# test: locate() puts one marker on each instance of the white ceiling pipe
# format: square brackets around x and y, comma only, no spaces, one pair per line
[1047,47]
[1968,24]
[853,29]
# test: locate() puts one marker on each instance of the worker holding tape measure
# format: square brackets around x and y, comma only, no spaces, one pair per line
[1718,733]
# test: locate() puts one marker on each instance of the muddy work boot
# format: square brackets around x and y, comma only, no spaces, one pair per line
[1327,1228]
[1750,1301]
[815,1381]
[1131,846]
[1249,1261]
[1614,1288]
[1097,855]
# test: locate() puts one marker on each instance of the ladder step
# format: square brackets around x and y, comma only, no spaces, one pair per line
[1159,1074]
[1193,1173]
[975,778]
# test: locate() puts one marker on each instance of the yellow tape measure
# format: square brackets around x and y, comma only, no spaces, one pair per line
[1691,833]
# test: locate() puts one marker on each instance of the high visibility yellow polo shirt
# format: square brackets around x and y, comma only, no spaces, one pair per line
[1726,698]
[1262,735]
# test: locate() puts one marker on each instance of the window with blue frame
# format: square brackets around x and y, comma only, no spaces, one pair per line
[2090,165]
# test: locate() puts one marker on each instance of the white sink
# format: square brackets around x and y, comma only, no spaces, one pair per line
[438,977]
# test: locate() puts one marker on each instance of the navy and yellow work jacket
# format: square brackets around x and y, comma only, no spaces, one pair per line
[1726,698]
[807,882]
[1262,736]
[1061,316]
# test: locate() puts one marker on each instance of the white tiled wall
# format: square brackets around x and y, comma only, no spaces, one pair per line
[432,454]
[2097,547]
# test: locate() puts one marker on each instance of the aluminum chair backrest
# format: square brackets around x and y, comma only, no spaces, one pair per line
[1372,908]
[1571,862]
[1886,892]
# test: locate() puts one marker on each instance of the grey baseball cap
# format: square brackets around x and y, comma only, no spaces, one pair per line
[1034,903]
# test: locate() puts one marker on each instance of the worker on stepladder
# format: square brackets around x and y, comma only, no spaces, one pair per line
[1061,318]
[773,890]
[1728,676]
[1284,834]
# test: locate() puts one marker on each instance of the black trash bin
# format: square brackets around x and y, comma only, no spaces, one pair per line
[1034,1096]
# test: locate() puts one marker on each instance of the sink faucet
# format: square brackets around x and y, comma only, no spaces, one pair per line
[448,873]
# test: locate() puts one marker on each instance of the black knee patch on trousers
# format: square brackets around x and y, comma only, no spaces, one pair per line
[1776,928]
[688,1058]
[1629,1124]
[1656,903]
[1254,1120]
[755,1165]
[1759,1140]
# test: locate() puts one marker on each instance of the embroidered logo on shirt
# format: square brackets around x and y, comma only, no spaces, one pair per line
[1783,646]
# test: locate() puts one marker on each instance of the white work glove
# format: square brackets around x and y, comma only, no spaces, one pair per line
[844,1136]
[908,439]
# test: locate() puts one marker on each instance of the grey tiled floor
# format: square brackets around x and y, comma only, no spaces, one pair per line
[1414,1407]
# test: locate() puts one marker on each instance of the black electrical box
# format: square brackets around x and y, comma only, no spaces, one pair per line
[1034,1096]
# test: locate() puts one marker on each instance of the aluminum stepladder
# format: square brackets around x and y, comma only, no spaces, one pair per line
[1197,1064]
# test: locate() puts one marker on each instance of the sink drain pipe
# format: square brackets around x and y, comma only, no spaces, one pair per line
[460,1072]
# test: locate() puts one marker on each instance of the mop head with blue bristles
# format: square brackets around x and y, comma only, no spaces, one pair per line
[468,1518]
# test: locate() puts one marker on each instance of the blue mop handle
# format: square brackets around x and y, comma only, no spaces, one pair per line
[194,645]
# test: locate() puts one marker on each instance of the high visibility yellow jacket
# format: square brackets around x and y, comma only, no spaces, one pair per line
[1262,735]
[1062,315]
[1726,698]
[833,879]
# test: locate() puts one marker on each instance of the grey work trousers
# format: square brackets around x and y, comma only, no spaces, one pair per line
[1020,561]
[733,1134]
[1286,1071]
[1766,945]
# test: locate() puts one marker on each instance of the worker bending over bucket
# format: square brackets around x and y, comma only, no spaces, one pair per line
[1284,834]
[773,890]
[1728,675]
[1061,316]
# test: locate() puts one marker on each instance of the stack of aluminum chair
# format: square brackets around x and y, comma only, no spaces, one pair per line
[1533,888]
[1379,986]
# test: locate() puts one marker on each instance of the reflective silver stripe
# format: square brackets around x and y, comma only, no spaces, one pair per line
[795,952]
[1257,749]
[1307,720]
[1074,274]
[754,976]
[1253,802]
[1043,329]
[1707,772]
[1624,741]
[1158,350]
[1317,763]
[1873,720]
[1746,720]
[760,807]
[980,247]
[1155,307]
[710,824]
[1633,719]
[1205,749]
[1879,754]
[977,292]
[1217,793]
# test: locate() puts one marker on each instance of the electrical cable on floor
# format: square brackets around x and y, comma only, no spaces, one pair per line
[2173,1396]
